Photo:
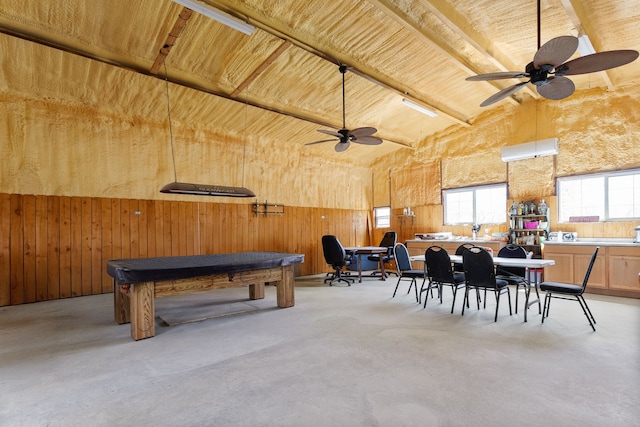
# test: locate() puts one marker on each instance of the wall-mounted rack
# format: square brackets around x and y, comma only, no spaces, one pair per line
[268,208]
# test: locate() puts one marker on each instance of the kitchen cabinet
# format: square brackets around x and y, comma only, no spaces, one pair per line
[615,271]
[624,268]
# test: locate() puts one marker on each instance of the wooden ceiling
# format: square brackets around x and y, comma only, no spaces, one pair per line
[287,70]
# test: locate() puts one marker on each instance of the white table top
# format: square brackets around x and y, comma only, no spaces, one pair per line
[365,249]
[506,262]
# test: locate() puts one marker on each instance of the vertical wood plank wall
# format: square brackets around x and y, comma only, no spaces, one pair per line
[55,247]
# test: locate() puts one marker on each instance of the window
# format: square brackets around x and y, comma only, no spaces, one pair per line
[475,205]
[382,217]
[610,196]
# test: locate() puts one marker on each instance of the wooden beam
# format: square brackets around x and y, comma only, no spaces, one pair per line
[338,58]
[580,20]
[455,21]
[175,32]
[275,55]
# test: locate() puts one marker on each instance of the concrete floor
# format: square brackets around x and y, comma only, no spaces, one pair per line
[343,356]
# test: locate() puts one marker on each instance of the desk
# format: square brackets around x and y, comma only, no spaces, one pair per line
[510,262]
[367,250]
[138,281]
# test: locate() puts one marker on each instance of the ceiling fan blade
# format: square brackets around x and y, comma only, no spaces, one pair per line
[342,146]
[318,142]
[498,76]
[331,132]
[368,140]
[597,62]
[360,132]
[503,93]
[555,51]
[557,88]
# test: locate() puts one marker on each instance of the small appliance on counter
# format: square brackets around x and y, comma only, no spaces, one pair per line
[637,239]
[566,236]
[555,236]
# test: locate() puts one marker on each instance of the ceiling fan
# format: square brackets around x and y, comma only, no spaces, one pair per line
[345,136]
[548,68]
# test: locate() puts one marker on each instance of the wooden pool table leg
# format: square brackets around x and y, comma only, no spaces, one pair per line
[256,291]
[142,310]
[285,288]
[121,303]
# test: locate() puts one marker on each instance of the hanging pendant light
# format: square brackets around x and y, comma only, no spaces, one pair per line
[176,187]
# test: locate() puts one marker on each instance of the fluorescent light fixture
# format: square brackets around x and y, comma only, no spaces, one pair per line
[420,108]
[529,150]
[217,15]
[584,45]
[206,190]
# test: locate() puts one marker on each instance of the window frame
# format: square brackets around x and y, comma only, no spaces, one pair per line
[606,202]
[473,189]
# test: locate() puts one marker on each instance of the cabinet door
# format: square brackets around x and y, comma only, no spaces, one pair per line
[598,277]
[562,271]
[624,269]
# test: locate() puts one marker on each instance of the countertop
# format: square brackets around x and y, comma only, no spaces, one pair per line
[596,242]
[580,242]
[461,239]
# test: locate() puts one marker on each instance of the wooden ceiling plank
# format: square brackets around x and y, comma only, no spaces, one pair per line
[175,32]
[254,75]
[581,21]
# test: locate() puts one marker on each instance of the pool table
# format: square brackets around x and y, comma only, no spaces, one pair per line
[138,281]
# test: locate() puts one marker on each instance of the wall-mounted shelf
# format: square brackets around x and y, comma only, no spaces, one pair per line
[268,208]
[404,217]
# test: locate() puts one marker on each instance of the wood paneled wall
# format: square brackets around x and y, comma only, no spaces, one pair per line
[55,247]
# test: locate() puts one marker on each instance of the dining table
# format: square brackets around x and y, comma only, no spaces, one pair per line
[531,266]
[367,250]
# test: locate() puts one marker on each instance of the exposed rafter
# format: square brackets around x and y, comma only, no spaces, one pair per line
[447,13]
[175,32]
[254,75]
[580,20]
[399,16]
[336,57]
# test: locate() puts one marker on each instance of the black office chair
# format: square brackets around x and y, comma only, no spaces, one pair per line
[440,273]
[516,275]
[336,257]
[388,241]
[479,273]
[405,270]
[569,291]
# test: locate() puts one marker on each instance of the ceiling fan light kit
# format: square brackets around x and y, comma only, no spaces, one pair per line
[419,108]
[217,15]
[530,150]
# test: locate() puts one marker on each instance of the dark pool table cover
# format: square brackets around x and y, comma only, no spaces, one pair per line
[136,270]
